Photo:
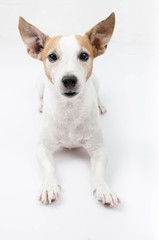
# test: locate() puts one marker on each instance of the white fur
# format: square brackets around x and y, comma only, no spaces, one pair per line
[72,122]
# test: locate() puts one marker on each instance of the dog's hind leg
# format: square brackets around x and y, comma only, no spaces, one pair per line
[102,109]
[40,89]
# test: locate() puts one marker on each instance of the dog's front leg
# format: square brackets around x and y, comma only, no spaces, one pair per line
[99,163]
[51,189]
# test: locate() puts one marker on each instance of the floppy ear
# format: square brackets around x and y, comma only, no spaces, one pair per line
[33,38]
[100,35]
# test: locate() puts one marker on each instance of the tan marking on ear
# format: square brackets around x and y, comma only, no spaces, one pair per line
[101,34]
[84,42]
[33,38]
[51,43]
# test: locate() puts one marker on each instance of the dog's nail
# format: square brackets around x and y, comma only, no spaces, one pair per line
[107,204]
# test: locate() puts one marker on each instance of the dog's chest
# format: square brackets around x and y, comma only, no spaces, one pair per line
[71,123]
[71,128]
[70,136]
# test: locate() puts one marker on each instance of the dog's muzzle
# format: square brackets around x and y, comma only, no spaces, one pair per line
[69,83]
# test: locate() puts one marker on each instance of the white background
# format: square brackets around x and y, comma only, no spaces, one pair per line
[128,75]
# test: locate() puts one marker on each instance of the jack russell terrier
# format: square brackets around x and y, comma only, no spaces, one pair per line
[69,101]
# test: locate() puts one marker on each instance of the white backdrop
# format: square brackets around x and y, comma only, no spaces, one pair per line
[129,76]
[136,19]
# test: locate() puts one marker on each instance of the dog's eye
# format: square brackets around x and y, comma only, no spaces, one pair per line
[52,57]
[84,56]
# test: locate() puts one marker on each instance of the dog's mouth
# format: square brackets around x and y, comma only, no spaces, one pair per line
[70,94]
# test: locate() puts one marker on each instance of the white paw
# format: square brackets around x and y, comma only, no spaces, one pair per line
[105,196]
[50,193]
[102,109]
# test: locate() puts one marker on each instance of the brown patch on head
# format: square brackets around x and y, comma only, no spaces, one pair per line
[85,43]
[51,43]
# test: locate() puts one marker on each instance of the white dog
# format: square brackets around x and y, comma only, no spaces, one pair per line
[69,101]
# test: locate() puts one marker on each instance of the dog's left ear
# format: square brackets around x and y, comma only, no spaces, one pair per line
[100,35]
[33,38]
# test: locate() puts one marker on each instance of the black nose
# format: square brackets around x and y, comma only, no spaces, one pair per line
[69,81]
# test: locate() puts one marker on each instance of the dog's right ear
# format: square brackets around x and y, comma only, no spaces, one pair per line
[33,38]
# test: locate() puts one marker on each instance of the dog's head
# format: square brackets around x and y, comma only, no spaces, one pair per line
[68,61]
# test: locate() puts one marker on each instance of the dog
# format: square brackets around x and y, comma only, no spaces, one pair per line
[69,100]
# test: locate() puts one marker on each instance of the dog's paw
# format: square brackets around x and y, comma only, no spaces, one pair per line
[50,193]
[105,196]
[102,109]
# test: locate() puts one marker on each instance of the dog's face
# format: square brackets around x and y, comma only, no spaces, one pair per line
[68,61]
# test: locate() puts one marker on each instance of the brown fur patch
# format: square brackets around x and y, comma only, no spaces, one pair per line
[100,34]
[28,32]
[84,42]
[50,43]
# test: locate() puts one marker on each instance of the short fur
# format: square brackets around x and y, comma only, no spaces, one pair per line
[70,121]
